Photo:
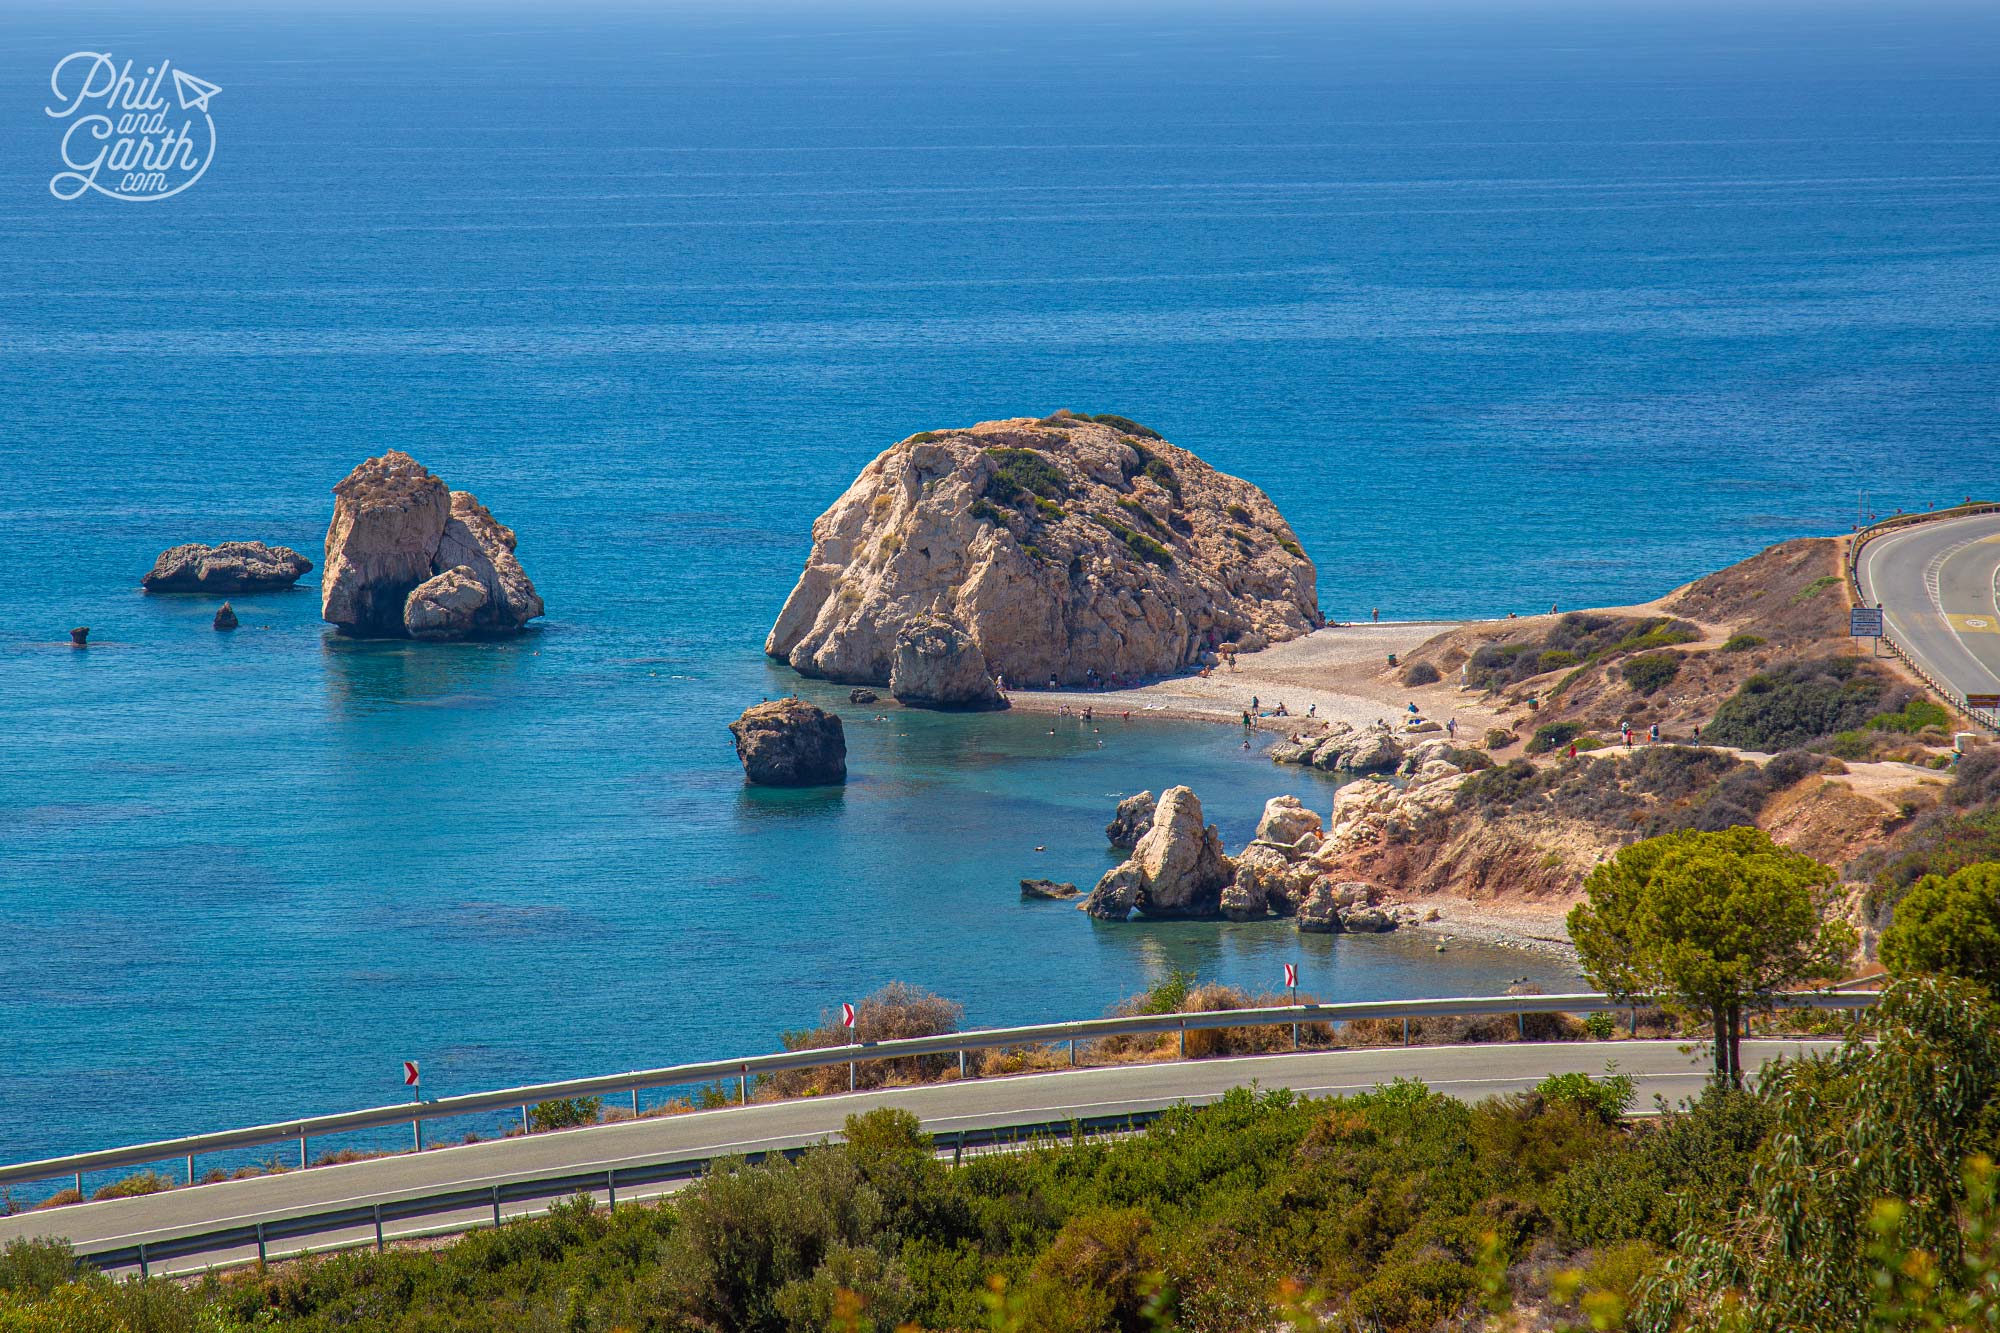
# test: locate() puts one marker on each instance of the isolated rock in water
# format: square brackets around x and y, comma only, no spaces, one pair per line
[388,517]
[1047,888]
[1058,546]
[939,666]
[1134,817]
[862,696]
[1180,860]
[395,526]
[789,743]
[230,567]
[1116,894]
[445,607]
[225,617]
[80,636]
[1286,820]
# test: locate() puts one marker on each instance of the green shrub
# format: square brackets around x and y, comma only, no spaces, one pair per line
[1913,717]
[1553,736]
[1024,472]
[1049,509]
[1144,515]
[1470,761]
[1607,1098]
[1799,703]
[565,1113]
[926,437]
[985,512]
[1586,743]
[1649,673]
[1815,588]
[1291,548]
[1555,659]
[1498,738]
[895,1011]
[1127,425]
[135,1186]
[1600,1025]
[1242,515]
[36,1267]
[1150,464]
[1742,643]
[1421,673]
[1949,924]
[1136,542]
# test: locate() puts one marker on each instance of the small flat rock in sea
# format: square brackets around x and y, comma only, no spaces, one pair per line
[1047,888]
[80,636]
[229,567]
[861,694]
[225,618]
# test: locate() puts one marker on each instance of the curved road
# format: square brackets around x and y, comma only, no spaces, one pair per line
[1935,583]
[1670,1069]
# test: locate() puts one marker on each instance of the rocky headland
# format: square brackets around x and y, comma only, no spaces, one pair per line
[1763,718]
[407,557]
[1068,548]
[231,567]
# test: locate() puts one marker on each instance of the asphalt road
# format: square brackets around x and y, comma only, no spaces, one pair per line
[1934,582]
[1668,1069]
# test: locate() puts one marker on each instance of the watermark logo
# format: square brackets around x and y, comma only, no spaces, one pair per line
[126,138]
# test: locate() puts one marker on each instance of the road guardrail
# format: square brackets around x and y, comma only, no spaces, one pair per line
[742,1069]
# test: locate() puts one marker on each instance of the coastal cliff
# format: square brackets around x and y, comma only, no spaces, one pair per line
[1055,547]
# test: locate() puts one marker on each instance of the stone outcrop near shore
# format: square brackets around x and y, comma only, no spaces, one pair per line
[231,567]
[1053,548]
[790,743]
[406,557]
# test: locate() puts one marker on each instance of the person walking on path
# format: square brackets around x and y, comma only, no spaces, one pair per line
[1451,728]
[1572,749]
[1653,733]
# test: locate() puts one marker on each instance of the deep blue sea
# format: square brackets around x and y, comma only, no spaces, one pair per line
[1503,303]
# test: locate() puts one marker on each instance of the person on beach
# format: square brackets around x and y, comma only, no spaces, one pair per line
[1451,727]
[1572,749]
[1413,710]
[1052,681]
[1127,715]
[1255,704]
[1312,710]
[1376,615]
[1000,685]
[1246,719]
[1653,733]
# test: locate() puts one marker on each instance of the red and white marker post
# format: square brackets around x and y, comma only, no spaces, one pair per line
[847,1021]
[1292,985]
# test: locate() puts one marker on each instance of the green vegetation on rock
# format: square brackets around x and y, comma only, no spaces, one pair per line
[1024,472]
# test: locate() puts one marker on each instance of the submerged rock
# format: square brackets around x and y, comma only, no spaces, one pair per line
[229,567]
[1057,547]
[1133,818]
[225,617]
[397,527]
[789,743]
[862,696]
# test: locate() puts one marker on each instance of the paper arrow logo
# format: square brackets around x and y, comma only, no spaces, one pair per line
[194,93]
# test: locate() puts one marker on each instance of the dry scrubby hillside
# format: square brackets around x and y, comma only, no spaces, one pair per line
[1057,547]
[1756,657]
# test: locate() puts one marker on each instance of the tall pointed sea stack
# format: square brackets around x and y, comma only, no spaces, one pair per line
[407,557]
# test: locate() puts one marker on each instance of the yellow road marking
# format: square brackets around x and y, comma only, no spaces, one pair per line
[1973,624]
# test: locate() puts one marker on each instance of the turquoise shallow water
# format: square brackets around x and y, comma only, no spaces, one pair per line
[1502,306]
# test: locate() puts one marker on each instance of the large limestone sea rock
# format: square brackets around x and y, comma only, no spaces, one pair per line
[1054,547]
[407,557]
